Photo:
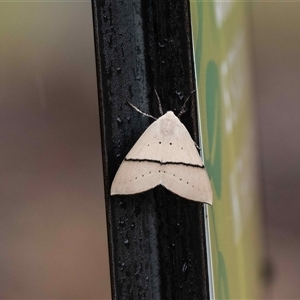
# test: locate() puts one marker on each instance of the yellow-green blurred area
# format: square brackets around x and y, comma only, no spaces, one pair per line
[221,50]
[245,255]
[52,213]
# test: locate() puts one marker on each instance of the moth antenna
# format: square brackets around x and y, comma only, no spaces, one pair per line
[141,112]
[183,108]
[159,103]
[165,155]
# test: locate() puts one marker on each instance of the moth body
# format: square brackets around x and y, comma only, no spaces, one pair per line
[166,155]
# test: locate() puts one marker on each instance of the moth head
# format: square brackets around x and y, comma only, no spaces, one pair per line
[167,124]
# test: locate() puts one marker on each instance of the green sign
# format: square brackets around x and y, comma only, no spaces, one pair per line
[220,37]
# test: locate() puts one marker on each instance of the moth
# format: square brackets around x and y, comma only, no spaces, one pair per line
[166,155]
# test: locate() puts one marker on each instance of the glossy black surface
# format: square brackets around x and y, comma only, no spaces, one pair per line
[157,242]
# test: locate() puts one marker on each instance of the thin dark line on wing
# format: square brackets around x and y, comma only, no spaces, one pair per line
[164,162]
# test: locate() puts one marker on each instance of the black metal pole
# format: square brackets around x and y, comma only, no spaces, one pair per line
[156,239]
